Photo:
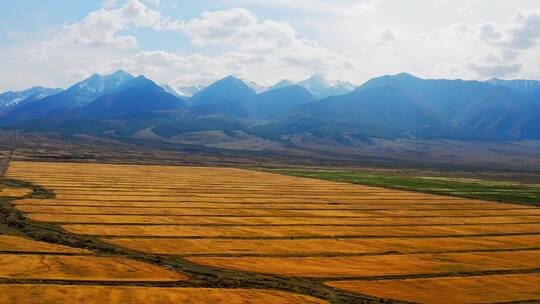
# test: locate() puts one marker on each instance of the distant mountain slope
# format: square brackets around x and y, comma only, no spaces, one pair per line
[78,95]
[391,106]
[379,112]
[139,95]
[223,91]
[169,90]
[190,90]
[11,99]
[527,88]
[225,95]
[318,86]
[274,103]
[471,104]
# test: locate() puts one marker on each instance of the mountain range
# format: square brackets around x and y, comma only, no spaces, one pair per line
[12,99]
[391,107]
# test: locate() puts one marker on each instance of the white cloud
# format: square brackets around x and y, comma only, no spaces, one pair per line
[341,7]
[344,39]
[508,42]
[495,69]
[223,27]
[102,27]
[494,65]
[386,37]
[108,3]
[252,46]
[520,33]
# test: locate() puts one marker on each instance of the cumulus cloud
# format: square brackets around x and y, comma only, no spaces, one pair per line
[386,37]
[252,45]
[102,27]
[108,3]
[224,27]
[489,33]
[344,7]
[493,65]
[520,33]
[509,40]
[421,39]
[496,69]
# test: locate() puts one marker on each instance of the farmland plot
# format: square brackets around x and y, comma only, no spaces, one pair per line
[327,233]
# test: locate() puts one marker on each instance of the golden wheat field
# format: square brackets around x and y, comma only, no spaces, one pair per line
[36,294]
[14,192]
[362,240]
[196,247]
[84,268]
[475,289]
[10,243]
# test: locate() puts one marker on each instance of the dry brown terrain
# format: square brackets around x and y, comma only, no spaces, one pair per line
[326,232]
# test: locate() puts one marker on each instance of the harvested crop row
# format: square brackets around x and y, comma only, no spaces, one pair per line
[10,243]
[477,289]
[268,212]
[15,192]
[296,231]
[277,199]
[183,200]
[92,268]
[324,246]
[289,206]
[63,294]
[235,220]
[379,265]
[82,268]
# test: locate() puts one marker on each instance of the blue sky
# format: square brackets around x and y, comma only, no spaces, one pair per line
[58,42]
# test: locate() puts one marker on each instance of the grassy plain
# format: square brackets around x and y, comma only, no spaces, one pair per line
[504,191]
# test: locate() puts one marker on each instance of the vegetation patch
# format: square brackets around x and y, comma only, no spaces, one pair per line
[512,192]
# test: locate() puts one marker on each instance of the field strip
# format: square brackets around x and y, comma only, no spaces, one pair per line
[235,220]
[267,212]
[309,216]
[64,294]
[292,231]
[308,247]
[379,265]
[21,266]
[14,192]
[481,289]
[165,198]
[382,201]
[184,201]
[272,206]
[9,243]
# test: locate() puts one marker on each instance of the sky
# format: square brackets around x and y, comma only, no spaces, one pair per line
[56,43]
